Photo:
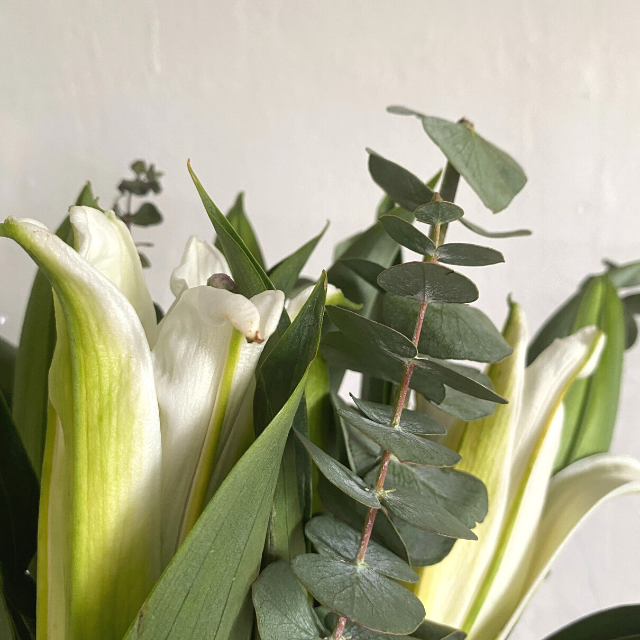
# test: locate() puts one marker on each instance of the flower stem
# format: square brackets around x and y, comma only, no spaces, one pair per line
[386,457]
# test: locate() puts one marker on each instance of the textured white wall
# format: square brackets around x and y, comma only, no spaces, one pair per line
[280,98]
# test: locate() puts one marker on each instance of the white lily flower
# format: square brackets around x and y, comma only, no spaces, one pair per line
[199,261]
[130,464]
[204,361]
[99,531]
[483,586]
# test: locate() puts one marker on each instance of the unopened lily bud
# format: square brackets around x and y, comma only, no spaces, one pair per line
[222,281]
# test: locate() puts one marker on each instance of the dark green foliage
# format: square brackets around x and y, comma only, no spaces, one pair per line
[400,185]
[428,282]
[360,593]
[619,623]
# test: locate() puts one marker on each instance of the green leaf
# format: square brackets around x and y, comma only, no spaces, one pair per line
[411,421]
[427,282]
[336,539]
[37,341]
[360,593]
[494,234]
[340,476]
[424,548]
[8,354]
[86,198]
[367,270]
[355,514]
[144,261]
[407,235]
[438,212]
[205,587]
[285,274]
[421,512]
[433,181]
[139,167]
[406,446]
[430,630]
[465,407]
[460,493]
[459,381]
[19,497]
[453,331]
[398,183]
[136,187]
[240,222]
[619,623]
[278,375]
[624,275]
[341,351]
[469,255]
[374,245]
[494,175]
[631,305]
[354,631]
[591,403]
[281,371]
[558,326]
[147,215]
[245,269]
[371,333]
[282,609]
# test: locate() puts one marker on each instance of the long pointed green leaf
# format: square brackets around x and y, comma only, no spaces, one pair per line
[204,590]
[277,377]
[285,274]
[238,219]
[247,272]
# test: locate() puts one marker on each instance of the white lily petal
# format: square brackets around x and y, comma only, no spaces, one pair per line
[204,361]
[548,379]
[101,388]
[574,493]
[447,589]
[537,440]
[200,261]
[269,305]
[106,243]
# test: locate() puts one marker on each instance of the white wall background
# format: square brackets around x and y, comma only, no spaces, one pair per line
[280,98]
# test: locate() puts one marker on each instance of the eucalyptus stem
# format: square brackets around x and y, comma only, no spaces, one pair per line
[386,457]
[448,190]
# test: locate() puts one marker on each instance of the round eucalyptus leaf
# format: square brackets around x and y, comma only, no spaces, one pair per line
[402,186]
[439,212]
[407,235]
[411,421]
[455,331]
[494,175]
[282,609]
[468,255]
[425,513]
[339,475]
[463,495]
[336,539]
[406,446]
[371,333]
[359,593]
[426,282]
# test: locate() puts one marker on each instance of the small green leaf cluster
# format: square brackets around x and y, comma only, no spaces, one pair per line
[147,180]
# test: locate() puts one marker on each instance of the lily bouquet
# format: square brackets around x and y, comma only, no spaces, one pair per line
[199,474]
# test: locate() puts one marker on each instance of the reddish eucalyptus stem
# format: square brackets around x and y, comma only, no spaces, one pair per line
[386,457]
